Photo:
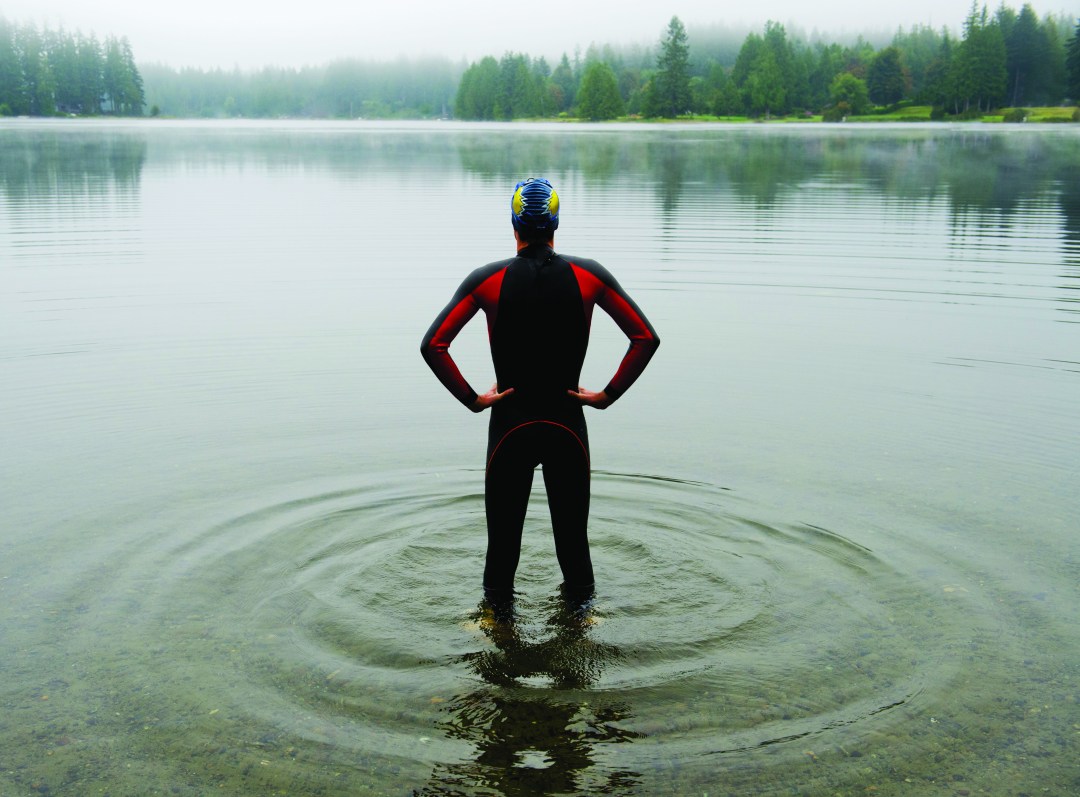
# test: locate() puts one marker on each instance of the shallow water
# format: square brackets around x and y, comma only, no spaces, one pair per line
[834,524]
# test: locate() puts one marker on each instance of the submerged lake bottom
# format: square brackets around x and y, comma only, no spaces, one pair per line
[833,525]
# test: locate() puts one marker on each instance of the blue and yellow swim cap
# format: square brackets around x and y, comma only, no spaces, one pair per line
[534,206]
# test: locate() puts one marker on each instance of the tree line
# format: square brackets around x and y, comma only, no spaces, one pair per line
[342,89]
[1003,59]
[1007,59]
[46,72]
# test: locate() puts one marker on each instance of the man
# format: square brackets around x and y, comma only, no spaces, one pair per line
[539,307]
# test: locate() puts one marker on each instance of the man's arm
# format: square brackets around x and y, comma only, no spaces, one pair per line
[480,287]
[598,282]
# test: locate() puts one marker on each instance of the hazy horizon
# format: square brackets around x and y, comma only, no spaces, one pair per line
[238,33]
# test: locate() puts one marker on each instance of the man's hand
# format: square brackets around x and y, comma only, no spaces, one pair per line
[599,400]
[493,396]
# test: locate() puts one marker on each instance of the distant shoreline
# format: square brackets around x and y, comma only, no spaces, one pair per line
[908,115]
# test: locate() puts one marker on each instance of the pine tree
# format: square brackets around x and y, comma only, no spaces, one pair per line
[38,77]
[1072,65]
[565,84]
[886,79]
[599,97]
[478,90]
[91,86]
[671,84]
[1025,49]
[979,66]
[766,86]
[13,98]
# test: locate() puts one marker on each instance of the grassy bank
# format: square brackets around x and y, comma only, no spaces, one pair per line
[910,113]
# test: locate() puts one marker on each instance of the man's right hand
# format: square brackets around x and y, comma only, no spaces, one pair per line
[600,401]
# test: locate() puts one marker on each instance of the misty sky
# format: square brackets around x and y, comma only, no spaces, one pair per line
[250,34]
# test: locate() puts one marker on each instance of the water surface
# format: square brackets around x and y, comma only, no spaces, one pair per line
[834,524]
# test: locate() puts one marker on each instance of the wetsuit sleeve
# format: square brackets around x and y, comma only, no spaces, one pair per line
[478,290]
[643,338]
[435,347]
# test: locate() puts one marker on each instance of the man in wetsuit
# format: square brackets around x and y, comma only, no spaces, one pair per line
[539,306]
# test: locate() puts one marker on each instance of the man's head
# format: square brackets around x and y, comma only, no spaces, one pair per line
[534,210]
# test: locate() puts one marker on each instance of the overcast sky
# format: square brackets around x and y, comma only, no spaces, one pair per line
[250,33]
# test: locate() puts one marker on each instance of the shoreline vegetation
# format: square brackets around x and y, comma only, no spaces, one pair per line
[1007,66]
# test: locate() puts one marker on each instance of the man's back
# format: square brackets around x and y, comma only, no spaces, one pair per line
[540,330]
[539,306]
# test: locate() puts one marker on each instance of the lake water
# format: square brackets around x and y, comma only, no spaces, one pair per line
[834,524]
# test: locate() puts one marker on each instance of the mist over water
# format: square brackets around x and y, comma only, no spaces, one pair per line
[833,525]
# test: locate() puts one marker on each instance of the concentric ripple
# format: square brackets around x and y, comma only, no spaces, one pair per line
[346,622]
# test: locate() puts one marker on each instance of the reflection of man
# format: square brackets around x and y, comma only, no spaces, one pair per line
[539,307]
[537,742]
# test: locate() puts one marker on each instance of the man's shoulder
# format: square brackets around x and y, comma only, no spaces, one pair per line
[479,275]
[590,265]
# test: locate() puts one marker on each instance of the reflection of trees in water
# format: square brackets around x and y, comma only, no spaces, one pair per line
[35,163]
[978,170]
[1069,202]
[514,154]
[536,740]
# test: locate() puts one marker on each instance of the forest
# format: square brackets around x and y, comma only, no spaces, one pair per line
[1006,59]
[46,73]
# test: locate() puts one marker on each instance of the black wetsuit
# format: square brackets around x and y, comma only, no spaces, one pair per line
[539,308]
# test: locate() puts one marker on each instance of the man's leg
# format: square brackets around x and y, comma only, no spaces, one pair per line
[566,477]
[506,499]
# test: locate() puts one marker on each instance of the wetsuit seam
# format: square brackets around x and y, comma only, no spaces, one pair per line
[576,436]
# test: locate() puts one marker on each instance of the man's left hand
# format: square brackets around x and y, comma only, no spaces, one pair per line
[493,396]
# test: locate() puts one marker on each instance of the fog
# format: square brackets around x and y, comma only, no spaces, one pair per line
[227,33]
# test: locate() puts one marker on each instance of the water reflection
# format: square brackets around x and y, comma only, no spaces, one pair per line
[534,730]
[1069,204]
[979,170]
[35,163]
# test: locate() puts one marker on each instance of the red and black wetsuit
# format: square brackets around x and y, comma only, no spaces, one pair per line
[539,308]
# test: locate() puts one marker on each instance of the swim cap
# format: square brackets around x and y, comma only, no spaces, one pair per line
[534,206]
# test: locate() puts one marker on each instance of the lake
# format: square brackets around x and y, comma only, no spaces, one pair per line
[834,524]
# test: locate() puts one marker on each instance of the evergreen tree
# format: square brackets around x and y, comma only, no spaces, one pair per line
[1072,65]
[13,99]
[794,79]
[886,78]
[752,48]
[726,99]
[771,76]
[542,78]
[938,88]
[37,76]
[64,62]
[599,96]
[831,60]
[671,84]
[919,48]
[91,86]
[478,91]
[518,95]
[979,66]
[766,87]
[565,84]
[1049,88]
[713,84]
[1025,50]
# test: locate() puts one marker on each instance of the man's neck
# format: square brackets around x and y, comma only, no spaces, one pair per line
[550,243]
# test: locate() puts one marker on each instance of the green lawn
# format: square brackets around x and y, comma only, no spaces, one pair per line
[910,113]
